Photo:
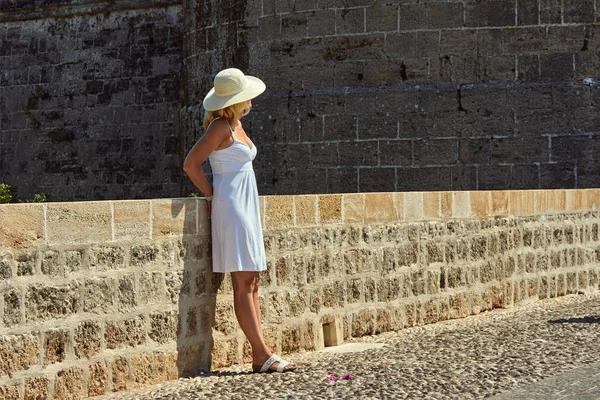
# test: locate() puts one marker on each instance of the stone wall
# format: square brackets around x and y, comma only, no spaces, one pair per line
[89,98]
[107,296]
[100,99]
[409,95]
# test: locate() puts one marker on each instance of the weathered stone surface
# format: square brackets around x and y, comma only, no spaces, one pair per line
[107,257]
[144,255]
[19,352]
[130,332]
[176,285]
[13,303]
[88,339]
[45,302]
[152,288]
[126,293]
[73,261]
[131,219]
[51,264]
[225,321]
[10,392]
[363,323]
[36,388]
[7,264]
[305,210]
[21,225]
[70,384]
[174,217]
[78,223]
[98,379]
[26,262]
[148,368]
[120,373]
[330,209]
[57,344]
[290,340]
[99,295]
[163,326]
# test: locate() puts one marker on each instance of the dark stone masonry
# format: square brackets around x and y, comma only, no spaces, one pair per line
[100,100]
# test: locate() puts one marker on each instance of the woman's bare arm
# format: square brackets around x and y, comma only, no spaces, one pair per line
[217,133]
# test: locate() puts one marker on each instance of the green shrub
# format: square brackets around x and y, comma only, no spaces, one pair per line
[6,193]
[38,198]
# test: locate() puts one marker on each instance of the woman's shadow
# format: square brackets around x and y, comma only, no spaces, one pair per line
[198,293]
[199,286]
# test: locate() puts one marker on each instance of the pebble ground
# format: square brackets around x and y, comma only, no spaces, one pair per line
[481,356]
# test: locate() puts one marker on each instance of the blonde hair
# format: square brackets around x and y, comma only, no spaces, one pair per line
[232,114]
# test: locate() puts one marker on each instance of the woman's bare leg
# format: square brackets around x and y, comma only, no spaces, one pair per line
[257,304]
[247,311]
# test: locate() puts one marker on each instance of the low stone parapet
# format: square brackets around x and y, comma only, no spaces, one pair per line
[107,296]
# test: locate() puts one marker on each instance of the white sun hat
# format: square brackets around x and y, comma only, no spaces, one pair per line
[231,86]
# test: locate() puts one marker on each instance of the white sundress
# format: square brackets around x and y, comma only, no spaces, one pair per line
[237,239]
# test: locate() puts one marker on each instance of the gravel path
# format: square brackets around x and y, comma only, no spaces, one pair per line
[471,358]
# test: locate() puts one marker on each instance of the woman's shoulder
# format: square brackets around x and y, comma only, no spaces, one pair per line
[218,126]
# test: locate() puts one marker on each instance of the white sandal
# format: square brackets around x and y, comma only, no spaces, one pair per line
[266,367]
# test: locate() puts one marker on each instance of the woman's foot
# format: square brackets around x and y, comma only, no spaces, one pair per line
[273,364]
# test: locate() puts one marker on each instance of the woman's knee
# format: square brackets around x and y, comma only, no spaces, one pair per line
[244,281]
[256,282]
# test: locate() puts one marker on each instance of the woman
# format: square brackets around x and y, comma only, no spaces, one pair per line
[237,241]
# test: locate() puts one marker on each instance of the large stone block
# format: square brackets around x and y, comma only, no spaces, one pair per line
[19,352]
[126,293]
[363,323]
[13,302]
[305,210]
[144,255]
[225,320]
[121,374]
[97,384]
[105,258]
[51,264]
[151,288]
[225,352]
[10,392]
[131,219]
[79,223]
[45,302]
[176,286]
[57,345]
[163,326]
[27,261]
[279,211]
[99,295]
[7,264]
[88,339]
[36,388]
[290,341]
[383,321]
[21,225]
[296,303]
[71,384]
[130,332]
[334,294]
[330,209]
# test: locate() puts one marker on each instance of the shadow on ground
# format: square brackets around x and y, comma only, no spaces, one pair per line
[591,319]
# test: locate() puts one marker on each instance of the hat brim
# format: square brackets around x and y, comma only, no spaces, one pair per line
[254,87]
